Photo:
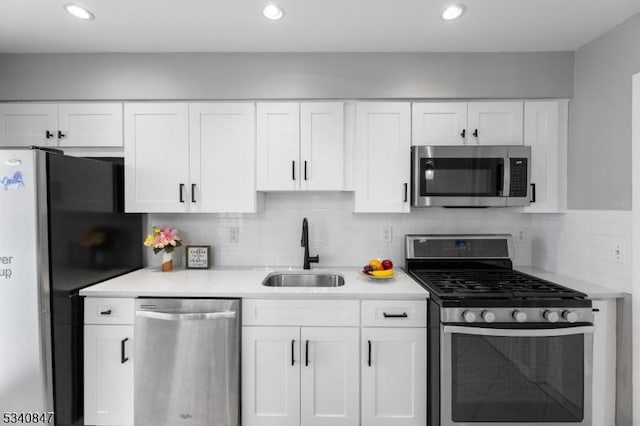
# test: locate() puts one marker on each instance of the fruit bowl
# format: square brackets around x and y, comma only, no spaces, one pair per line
[377,269]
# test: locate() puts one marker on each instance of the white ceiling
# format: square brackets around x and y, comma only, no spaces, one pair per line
[308,25]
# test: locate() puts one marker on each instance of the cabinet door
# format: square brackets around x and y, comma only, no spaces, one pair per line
[28,124]
[494,123]
[278,146]
[439,123]
[545,130]
[604,362]
[394,376]
[271,376]
[329,376]
[222,157]
[108,374]
[90,125]
[156,151]
[322,146]
[382,157]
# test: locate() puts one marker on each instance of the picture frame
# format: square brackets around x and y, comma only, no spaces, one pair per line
[198,257]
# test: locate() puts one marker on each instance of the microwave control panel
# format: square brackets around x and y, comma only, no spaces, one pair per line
[518,179]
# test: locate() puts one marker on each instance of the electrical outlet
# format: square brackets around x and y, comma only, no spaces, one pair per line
[386,234]
[234,235]
[520,235]
[619,254]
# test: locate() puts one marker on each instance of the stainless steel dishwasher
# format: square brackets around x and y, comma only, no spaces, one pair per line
[187,362]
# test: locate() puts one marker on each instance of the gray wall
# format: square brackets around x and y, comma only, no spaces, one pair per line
[600,120]
[285,75]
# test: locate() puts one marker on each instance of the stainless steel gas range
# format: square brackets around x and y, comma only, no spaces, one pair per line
[505,347]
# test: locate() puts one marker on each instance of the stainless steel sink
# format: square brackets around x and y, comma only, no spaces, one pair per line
[303,279]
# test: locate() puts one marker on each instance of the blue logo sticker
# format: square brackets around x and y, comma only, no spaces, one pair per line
[14,181]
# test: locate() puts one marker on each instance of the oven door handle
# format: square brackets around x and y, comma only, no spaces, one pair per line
[513,332]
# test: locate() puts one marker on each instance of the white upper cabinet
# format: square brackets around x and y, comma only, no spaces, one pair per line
[156,157]
[545,130]
[439,123]
[190,157]
[300,146]
[278,146]
[467,123]
[222,157]
[494,123]
[322,146]
[61,125]
[90,125]
[382,159]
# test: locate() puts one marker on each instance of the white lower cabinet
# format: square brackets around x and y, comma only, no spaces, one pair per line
[108,374]
[604,362]
[300,376]
[394,372]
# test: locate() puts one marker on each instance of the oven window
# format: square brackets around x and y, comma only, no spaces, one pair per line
[517,379]
[459,177]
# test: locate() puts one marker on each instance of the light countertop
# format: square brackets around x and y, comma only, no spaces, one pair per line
[247,283]
[592,290]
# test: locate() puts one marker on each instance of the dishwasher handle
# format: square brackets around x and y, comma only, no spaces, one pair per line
[170,316]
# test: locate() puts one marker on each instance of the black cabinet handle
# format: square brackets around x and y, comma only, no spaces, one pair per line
[306,354]
[369,359]
[402,315]
[463,133]
[533,192]
[305,169]
[107,312]
[406,192]
[193,192]
[181,192]
[48,134]
[293,344]
[123,358]
[293,170]
[475,133]
[61,135]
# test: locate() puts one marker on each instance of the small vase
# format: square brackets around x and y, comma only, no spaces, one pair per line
[167,262]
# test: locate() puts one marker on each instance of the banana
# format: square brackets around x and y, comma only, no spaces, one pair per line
[383,273]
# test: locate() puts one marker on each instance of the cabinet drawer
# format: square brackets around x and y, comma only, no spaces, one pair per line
[301,312]
[100,310]
[394,313]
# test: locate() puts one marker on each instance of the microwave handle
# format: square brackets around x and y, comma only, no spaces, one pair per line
[506,177]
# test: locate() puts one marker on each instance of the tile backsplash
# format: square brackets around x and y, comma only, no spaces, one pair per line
[576,243]
[339,236]
[583,243]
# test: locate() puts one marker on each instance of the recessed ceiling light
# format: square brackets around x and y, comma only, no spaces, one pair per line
[79,11]
[454,12]
[273,12]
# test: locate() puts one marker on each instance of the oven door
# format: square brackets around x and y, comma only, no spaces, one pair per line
[516,376]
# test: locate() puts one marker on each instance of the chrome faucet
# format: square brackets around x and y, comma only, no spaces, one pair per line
[304,242]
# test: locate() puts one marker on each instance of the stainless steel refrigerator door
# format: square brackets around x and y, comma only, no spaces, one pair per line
[25,358]
[187,362]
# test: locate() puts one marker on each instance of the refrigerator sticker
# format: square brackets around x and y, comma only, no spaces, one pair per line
[5,267]
[14,181]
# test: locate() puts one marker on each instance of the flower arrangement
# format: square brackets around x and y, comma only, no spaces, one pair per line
[163,238]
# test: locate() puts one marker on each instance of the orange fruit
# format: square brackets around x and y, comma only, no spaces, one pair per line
[376,264]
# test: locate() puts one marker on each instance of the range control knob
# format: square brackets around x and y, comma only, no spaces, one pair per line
[519,316]
[468,316]
[551,316]
[488,316]
[570,316]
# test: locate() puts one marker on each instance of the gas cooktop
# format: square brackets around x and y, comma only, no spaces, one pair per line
[482,283]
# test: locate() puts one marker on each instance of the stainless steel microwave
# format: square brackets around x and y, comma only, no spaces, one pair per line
[471,176]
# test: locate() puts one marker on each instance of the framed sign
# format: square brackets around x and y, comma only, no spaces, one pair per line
[198,257]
